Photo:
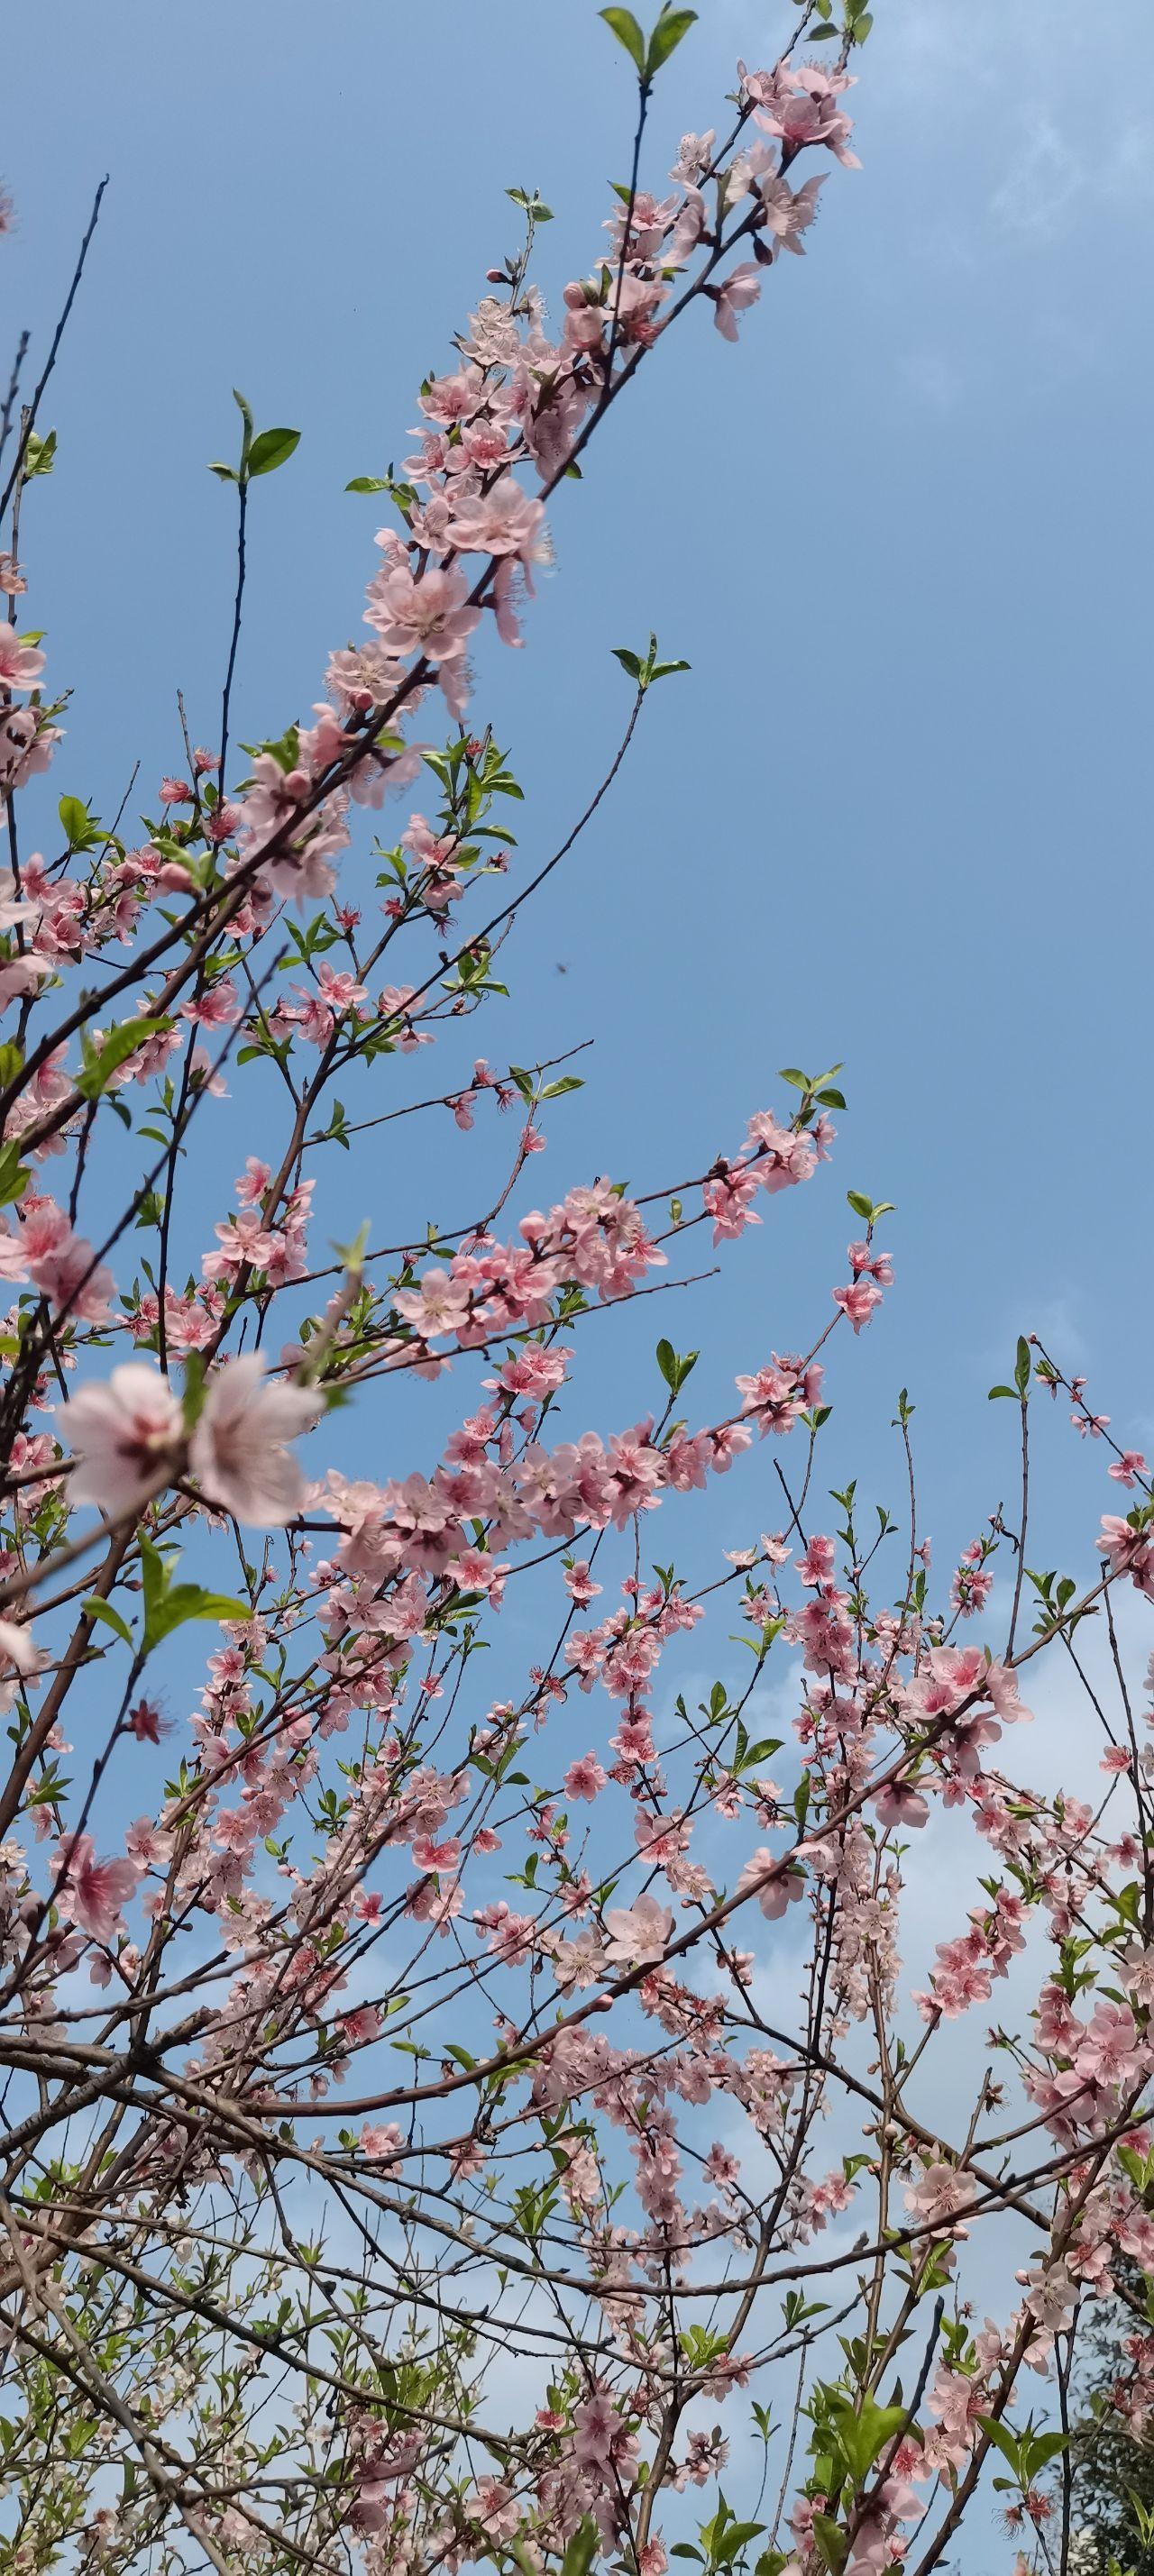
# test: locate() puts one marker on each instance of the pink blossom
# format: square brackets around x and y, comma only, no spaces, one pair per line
[431,616]
[774,1885]
[901,1804]
[789,212]
[939,2192]
[239,1451]
[637,1933]
[585,1778]
[20,664]
[125,1434]
[858,1301]
[741,289]
[800,105]
[16,1647]
[503,521]
[94,1891]
[1126,1469]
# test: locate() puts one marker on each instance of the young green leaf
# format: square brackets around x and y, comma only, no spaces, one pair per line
[623,25]
[106,1060]
[671,26]
[169,1605]
[273,448]
[76,823]
[14,1175]
[246,434]
[582,2549]
[39,455]
[94,1608]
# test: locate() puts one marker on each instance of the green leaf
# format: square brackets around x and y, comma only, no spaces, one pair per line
[831,2542]
[118,1046]
[76,823]
[224,473]
[1006,2443]
[94,1608]
[1045,2447]
[671,26]
[1002,1390]
[272,449]
[630,662]
[675,1367]
[582,2549]
[368,483]
[533,206]
[169,1605]
[246,435]
[623,25]
[39,456]
[861,2438]
[1022,1366]
[185,1601]
[14,1175]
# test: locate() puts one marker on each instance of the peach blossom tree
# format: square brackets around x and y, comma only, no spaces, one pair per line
[478,2112]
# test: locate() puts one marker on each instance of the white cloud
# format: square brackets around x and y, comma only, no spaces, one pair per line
[1037,200]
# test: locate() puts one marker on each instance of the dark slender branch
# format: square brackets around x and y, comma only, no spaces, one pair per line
[49,363]
[13,389]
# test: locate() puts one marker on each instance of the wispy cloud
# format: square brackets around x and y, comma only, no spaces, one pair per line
[1038,199]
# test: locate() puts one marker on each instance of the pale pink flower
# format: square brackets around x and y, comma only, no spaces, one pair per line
[1125,1469]
[1051,2294]
[431,616]
[147,1845]
[901,1804]
[505,521]
[800,104]
[580,1585]
[20,664]
[858,1302]
[789,212]
[774,1886]
[16,1647]
[12,909]
[939,2191]
[94,1891]
[741,289]
[381,2141]
[585,1778]
[124,1433]
[239,1449]
[637,1933]
[595,2424]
